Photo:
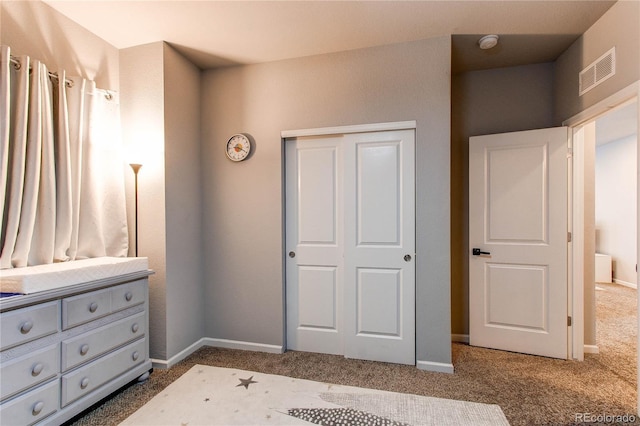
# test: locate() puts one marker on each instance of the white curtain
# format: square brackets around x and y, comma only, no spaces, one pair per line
[61,167]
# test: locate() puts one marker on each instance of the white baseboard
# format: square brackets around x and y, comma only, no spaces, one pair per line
[460,338]
[591,349]
[438,367]
[164,364]
[216,343]
[245,346]
[625,283]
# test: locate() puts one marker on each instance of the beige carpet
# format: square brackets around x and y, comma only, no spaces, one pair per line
[530,390]
[207,395]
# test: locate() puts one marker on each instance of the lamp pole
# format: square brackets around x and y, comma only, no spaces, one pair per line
[136,169]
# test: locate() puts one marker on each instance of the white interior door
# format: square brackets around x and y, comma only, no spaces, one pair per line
[518,222]
[350,226]
[314,265]
[380,247]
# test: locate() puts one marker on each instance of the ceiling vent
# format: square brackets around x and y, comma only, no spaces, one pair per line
[600,70]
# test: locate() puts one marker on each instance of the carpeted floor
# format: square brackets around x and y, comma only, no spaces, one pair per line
[530,390]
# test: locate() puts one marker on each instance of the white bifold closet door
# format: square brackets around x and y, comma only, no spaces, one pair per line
[350,265]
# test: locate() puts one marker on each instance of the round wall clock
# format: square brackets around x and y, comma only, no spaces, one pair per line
[238,147]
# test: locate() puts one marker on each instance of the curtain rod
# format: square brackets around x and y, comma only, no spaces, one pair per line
[18,65]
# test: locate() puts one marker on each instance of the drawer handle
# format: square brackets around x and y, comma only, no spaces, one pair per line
[37,369]
[128,296]
[135,327]
[26,327]
[93,307]
[37,408]
[84,349]
[135,356]
[84,383]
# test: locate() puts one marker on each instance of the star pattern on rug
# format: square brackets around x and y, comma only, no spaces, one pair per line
[246,382]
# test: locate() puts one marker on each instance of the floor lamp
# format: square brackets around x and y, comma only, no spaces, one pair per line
[136,169]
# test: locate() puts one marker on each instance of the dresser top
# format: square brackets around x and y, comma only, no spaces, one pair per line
[21,300]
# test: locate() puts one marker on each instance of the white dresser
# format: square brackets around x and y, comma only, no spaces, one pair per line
[63,350]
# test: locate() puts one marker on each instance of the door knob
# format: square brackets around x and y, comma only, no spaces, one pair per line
[407,258]
[292,254]
[477,252]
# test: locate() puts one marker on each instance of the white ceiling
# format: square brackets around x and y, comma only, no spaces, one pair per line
[218,33]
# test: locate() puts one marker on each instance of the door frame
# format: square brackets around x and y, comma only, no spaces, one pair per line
[576,213]
[326,131]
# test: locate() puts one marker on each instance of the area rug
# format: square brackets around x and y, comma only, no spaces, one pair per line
[207,395]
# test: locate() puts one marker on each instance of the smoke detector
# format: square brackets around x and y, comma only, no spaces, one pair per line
[488,41]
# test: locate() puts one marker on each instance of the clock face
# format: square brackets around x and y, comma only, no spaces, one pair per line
[238,147]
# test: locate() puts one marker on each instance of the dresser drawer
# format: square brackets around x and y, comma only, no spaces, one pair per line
[25,324]
[32,406]
[87,346]
[80,309]
[85,379]
[22,373]
[126,295]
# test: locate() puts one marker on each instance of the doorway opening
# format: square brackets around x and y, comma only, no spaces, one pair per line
[616,195]
[611,170]
[582,277]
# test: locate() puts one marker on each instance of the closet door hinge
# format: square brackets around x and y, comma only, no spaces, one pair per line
[568,321]
[568,237]
[569,152]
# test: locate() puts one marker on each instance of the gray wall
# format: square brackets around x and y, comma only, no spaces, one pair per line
[243,214]
[184,290]
[142,110]
[616,200]
[618,27]
[160,107]
[486,102]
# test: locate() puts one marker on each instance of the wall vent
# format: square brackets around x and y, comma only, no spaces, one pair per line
[600,70]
